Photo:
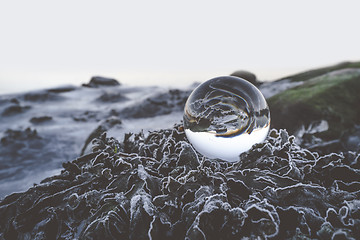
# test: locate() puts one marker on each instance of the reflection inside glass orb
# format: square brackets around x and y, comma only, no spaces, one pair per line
[226,116]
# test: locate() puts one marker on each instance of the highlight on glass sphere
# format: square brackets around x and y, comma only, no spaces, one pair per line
[226,116]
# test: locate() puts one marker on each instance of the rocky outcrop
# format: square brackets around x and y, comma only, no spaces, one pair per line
[14,109]
[41,119]
[62,89]
[251,77]
[98,81]
[156,186]
[304,76]
[332,98]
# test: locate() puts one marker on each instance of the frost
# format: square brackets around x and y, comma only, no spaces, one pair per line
[156,186]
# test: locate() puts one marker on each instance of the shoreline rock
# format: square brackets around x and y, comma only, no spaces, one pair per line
[98,81]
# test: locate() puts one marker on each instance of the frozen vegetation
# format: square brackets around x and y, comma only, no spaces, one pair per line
[107,177]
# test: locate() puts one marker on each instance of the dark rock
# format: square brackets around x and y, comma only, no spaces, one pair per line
[62,89]
[41,96]
[111,97]
[350,140]
[42,119]
[26,134]
[15,101]
[101,82]
[247,76]
[85,116]
[7,101]
[14,109]
[163,103]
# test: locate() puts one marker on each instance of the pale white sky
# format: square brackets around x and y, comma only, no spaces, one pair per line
[45,43]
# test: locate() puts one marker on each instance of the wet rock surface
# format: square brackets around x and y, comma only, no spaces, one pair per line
[157,186]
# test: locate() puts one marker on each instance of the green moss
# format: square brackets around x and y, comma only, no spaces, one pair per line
[304,76]
[334,97]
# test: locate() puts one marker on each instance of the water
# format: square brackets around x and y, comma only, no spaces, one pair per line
[226,116]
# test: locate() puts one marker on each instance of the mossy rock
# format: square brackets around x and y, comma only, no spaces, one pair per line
[333,97]
[304,76]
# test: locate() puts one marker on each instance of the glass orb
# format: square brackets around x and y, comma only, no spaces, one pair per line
[226,116]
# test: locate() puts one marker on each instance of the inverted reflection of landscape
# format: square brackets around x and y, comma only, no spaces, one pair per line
[226,116]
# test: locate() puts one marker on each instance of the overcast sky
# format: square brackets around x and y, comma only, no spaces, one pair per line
[44,43]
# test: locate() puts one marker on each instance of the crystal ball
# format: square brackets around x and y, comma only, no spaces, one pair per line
[226,116]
